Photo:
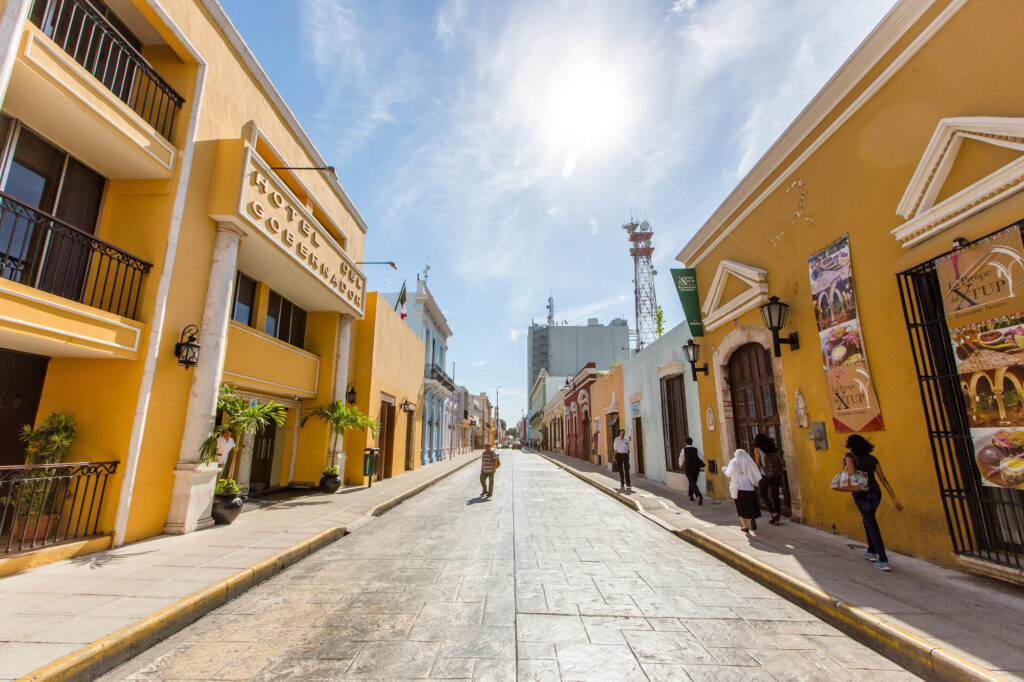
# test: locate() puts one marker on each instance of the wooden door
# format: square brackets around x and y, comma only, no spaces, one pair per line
[387,440]
[613,433]
[21,384]
[262,458]
[754,403]
[638,438]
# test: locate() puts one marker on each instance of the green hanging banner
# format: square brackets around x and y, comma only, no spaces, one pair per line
[686,287]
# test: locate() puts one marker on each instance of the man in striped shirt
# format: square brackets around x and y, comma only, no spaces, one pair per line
[489,463]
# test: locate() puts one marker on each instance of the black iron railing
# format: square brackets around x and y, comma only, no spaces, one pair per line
[41,251]
[437,373]
[93,42]
[50,504]
[984,521]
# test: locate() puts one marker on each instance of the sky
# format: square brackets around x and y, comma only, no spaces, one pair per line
[505,143]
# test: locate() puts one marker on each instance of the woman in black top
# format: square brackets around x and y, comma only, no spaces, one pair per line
[860,458]
[766,454]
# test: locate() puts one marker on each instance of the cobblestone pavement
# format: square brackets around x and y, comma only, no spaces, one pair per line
[549,580]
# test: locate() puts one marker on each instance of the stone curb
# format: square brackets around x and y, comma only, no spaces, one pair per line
[914,653]
[111,651]
[107,653]
[395,501]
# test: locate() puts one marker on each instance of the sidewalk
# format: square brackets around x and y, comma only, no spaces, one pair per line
[123,600]
[975,618]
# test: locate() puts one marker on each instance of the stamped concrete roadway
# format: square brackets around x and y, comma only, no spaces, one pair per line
[549,580]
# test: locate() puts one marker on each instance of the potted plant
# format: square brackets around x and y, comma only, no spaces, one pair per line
[330,481]
[47,443]
[340,418]
[227,502]
[242,418]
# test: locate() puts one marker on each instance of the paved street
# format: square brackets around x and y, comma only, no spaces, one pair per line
[549,580]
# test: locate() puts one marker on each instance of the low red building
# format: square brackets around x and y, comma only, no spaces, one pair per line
[578,428]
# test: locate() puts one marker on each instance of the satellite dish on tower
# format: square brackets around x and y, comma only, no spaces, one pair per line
[645,226]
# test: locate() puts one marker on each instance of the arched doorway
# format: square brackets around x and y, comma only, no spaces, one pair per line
[754,402]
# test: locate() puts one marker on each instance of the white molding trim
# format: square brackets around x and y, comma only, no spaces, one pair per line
[272,340]
[717,313]
[294,390]
[893,27]
[924,217]
[672,369]
[71,335]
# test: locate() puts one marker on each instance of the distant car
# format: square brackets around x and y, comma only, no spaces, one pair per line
[517,445]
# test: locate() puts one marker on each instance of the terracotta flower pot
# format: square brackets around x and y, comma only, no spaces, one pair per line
[226,507]
[329,483]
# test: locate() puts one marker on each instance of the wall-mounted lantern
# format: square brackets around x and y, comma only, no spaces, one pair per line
[187,350]
[350,394]
[774,313]
[408,407]
[692,351]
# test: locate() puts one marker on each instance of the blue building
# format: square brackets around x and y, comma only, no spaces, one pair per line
[440,402]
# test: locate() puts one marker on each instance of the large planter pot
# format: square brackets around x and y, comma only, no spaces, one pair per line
[226,508]
[33,529]
[329,483]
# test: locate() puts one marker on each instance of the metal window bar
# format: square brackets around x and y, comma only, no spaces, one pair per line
[42,251]
[50,504]
[985,522]
[81,31]
[432,371]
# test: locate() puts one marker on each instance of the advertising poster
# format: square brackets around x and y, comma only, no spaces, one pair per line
[851,391]
[983,298]
[686,287]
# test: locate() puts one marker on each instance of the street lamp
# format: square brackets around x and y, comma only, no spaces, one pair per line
[774,314]
[692,351]
[378,262]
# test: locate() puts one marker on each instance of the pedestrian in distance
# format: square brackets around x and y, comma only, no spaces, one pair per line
[489,463]
[859,458]
[766,454]
[743,479]
[621,447]
[691,461]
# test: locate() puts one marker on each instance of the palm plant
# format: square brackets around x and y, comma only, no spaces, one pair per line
[242,418]
[51,440]
[340,418]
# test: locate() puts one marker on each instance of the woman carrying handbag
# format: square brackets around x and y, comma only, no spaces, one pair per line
[859,460]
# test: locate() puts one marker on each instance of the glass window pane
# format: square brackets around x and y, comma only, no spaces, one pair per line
[245,299]
[35,171]
[298,327]
[273,314]
[768,400]
[284,325]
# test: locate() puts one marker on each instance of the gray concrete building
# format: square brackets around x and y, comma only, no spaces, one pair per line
[563,349]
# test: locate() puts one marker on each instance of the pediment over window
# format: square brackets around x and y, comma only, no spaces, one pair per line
[945,187]
[735,289]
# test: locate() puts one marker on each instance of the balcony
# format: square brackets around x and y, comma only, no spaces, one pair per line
[436,373]
[40,251]
[92,41]
[51,504]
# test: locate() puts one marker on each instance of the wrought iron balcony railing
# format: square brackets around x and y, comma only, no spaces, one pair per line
[44,252]
[437,373]
[50,504]
[93,42]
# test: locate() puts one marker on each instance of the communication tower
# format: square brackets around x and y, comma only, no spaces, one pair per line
[551,310]
[640,249]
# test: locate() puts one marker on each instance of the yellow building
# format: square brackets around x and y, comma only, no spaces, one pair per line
[155,186]
[553,423]
[606,400]
[887,186]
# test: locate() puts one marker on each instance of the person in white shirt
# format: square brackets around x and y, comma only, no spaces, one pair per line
[621,447]
[225,444]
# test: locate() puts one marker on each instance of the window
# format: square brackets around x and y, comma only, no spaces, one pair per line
[285,320]
[245,300]
[673,419]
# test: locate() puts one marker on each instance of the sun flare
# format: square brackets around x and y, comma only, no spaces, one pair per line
[586,107]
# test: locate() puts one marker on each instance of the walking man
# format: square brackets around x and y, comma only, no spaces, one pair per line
[489,463]
[621,446]
[692,463]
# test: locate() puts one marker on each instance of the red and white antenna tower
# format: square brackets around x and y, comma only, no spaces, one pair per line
[639,236]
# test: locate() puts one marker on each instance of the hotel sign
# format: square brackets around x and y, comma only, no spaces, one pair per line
[285,222]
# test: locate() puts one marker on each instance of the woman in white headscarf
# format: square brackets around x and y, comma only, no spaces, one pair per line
[744,476]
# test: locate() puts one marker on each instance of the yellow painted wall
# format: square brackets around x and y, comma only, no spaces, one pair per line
[853,184]
[603,391]
[388,359]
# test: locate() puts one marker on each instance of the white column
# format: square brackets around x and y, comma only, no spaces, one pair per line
[12,24]
[194,481]
[341,382]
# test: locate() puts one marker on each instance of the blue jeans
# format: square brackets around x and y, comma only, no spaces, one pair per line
[868,503]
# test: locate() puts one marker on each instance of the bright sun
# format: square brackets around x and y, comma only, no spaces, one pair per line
[587,107]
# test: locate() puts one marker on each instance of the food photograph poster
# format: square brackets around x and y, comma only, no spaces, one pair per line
[982,288]
[851,391]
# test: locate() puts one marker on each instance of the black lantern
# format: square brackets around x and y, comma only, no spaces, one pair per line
[350,394]
[187,350]
[774,313]
[692,351]
[407,406]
